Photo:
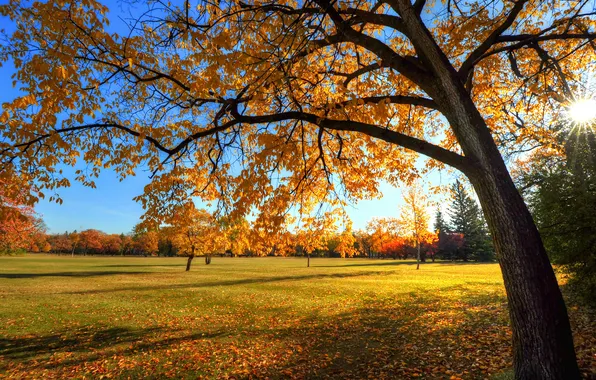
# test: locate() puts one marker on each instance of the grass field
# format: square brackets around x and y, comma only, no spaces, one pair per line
[256,318]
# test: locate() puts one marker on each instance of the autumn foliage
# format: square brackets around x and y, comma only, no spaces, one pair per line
[21,229]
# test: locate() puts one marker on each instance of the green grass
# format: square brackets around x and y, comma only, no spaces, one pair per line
[250,317]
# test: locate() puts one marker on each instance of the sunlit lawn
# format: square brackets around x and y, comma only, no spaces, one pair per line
[254,317]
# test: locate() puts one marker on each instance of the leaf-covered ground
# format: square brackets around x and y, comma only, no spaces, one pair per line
[257,318]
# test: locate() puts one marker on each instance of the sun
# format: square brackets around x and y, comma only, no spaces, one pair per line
[582,111]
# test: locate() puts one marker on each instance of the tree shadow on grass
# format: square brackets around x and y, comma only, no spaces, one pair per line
[368,264]
[420,337]
[69,274]
[390,262]
[244,281]
[92,339]
[427,335]
[182,264]
[415,335]
[26,348]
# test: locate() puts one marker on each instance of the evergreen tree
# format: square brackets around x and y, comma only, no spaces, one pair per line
[562,197]
[467,219]
[445,250]
[440,223]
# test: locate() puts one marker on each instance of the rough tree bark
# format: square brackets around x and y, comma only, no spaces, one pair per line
[543,344]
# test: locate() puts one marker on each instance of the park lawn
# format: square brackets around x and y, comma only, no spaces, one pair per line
[256,318]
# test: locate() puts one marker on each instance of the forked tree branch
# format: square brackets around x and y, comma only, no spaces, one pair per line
[491,39]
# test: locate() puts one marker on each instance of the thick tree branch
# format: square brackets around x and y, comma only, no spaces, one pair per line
[395,99]
[419,6]
[362,16]
[491,40]
[408,66]
[417,145]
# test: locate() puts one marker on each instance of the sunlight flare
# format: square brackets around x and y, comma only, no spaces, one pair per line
[582,111]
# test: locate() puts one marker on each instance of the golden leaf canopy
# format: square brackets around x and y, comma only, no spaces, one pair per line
[271,105]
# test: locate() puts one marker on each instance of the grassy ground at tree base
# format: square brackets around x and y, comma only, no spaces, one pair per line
[257,318]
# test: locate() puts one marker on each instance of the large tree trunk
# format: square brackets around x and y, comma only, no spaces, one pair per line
[308,260]
[189,261]
[542,340]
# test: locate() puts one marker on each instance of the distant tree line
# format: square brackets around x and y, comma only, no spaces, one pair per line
[95,242]
[196,232]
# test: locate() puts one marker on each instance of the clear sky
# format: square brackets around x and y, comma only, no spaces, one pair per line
[110,207]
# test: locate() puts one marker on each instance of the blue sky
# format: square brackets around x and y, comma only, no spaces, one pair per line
[110,207]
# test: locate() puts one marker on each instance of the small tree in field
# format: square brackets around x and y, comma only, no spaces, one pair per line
[342,243]
[91,241]
[310,238]
[145,242]
[111,244]
[196,233]
[414,218]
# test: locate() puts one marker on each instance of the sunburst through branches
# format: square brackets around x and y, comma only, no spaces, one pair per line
[580,112]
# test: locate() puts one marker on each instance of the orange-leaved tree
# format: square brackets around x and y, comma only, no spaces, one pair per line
[394,248]
[382,231]
[20,226]
[91,241]
[145,240]
[196,232]
[414,217]
[264,105]
[236,236]
[312,234]
[342,243]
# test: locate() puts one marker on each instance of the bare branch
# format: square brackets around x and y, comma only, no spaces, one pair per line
[492,39]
